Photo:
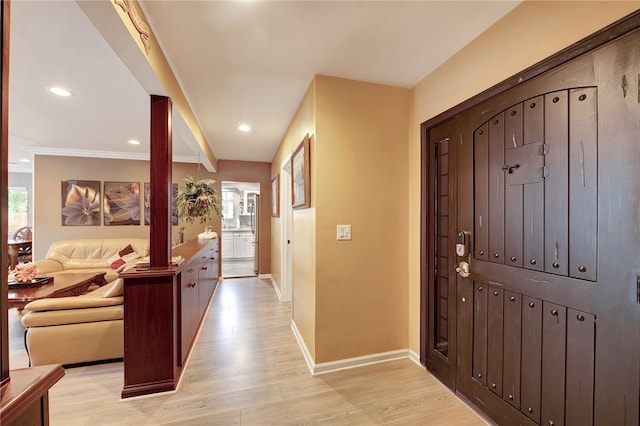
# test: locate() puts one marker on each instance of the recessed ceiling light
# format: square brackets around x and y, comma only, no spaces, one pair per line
[60,91]
[134,142]
[244,127]
[25,160]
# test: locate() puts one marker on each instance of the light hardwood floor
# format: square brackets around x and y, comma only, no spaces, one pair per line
[246,369]
[237,268]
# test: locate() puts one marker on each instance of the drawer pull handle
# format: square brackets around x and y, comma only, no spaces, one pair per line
[191,285]
[204,268]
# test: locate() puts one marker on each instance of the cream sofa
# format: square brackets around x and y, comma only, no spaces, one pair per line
[86,328]
[89,255]
[78,329]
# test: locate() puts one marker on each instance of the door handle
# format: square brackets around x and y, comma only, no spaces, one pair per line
[463,269]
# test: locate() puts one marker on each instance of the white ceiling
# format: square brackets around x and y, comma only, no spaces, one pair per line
[237,62]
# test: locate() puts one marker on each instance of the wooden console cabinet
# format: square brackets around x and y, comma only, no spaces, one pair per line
[24,399]
[163,309]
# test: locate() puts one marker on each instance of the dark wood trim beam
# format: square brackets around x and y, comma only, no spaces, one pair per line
[160,170]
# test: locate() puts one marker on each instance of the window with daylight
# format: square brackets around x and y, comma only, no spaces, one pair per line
[18,216]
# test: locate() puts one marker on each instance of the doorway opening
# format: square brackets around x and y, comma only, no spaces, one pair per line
[240,229]
[286,213]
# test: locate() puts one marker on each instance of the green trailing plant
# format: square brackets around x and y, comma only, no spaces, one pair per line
[198,199]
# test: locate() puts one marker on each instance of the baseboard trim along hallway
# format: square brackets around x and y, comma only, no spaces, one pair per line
[344,364]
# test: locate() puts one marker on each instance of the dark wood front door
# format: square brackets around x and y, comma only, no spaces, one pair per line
[547,324]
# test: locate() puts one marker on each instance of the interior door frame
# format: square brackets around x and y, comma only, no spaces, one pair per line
[441,365]
[286,213]
[608,34]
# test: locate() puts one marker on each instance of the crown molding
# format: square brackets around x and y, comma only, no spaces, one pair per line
[114,155]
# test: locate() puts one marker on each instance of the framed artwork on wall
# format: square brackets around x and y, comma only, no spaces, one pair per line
[147,204]
[301,177]
[275,196]
[121,203]
[80,202]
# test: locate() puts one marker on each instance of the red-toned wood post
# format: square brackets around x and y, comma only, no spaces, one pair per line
[160,170]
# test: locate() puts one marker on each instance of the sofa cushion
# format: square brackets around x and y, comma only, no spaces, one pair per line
[93,253]
[72,316]
[115,288]
[119,261]
[72,302]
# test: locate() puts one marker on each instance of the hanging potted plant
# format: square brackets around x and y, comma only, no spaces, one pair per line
[198,199]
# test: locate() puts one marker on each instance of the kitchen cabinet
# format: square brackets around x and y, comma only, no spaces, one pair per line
[238,244]
[243,245]
[228,246]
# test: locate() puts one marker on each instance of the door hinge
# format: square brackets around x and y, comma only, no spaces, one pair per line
[638,289]
[544,149]
[544,171]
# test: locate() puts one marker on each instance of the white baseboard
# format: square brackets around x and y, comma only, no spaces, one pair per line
[274,284]
[344,364]
[264,277]
[360,361]
[303,348]
[415,357]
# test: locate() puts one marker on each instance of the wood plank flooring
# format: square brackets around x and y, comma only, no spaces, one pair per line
[246,369]
[237,268]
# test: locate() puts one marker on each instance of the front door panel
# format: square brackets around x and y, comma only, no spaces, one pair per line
[548,321]
[513,345]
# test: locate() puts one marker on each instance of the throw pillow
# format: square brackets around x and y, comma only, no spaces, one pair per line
[117,289]
[118,261]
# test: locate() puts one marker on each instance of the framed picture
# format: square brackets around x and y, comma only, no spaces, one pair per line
[147,204]
[275,196]
[80,202]
[301,178]
[121,203]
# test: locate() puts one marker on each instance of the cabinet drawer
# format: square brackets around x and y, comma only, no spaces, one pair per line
[189,276]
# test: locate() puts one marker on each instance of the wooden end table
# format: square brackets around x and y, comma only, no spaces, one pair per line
[63,284]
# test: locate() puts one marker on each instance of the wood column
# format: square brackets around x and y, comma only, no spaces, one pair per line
[160,170]
[4,183]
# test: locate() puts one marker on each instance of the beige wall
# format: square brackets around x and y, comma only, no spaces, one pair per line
[361,180]
[49,171]
[303,304]
[531,32]
[350,297]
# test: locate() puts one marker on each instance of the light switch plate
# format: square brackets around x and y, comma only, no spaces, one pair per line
[344,232]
